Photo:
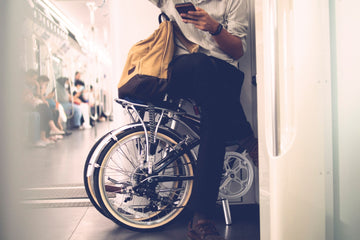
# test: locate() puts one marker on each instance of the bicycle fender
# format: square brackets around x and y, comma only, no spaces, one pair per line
[107,139]
[112,136]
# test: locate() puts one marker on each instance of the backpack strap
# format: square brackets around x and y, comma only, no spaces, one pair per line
[191,47]
[161,16]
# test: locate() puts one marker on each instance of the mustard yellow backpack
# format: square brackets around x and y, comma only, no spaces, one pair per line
[145,75]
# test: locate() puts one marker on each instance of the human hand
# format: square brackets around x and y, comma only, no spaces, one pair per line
[201,20]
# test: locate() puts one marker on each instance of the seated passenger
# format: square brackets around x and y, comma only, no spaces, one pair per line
[54,130]
[33,102]
[65,99]
[59,112]
[81,98]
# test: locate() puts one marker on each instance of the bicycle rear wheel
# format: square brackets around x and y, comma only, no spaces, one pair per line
[129,195]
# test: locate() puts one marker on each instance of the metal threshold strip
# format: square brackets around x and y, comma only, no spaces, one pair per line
[55,197]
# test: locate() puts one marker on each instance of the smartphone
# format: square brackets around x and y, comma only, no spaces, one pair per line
[184,8]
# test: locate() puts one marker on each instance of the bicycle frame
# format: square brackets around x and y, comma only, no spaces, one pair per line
[176,116]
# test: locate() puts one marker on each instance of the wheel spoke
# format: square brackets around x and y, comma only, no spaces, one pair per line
[126,193]
[237,167]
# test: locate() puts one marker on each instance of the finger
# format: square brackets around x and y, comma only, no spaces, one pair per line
[187,16]
[184,15]
[198,24]
[197,13]
[199,9]
[194,22]
[189,21]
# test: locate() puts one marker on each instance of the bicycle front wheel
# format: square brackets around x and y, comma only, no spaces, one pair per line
[129,194]
[89,181]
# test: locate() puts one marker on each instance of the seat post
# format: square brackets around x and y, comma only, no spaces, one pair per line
[227,213]
[173,122]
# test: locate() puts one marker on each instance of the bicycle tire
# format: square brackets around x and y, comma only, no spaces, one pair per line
[88,181]
[117,171]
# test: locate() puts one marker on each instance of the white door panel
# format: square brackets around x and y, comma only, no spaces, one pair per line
[346,99]
[294,107]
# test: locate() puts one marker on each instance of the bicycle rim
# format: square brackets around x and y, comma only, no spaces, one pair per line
[120,170]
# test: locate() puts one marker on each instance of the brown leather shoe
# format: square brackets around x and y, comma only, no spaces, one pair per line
[203,230]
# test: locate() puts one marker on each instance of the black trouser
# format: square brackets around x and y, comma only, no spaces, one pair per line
[215,85]
[46,115]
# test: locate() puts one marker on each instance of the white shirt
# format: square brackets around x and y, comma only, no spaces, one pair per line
[232,14]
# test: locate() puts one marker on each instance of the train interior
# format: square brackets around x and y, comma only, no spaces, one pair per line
[300,95]
[64,37]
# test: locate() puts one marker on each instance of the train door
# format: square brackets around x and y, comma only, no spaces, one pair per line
[294,119]
[307,123]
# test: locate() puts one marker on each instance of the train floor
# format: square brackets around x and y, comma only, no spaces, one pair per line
[57,206]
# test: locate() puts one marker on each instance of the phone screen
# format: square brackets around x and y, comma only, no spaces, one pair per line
[185,7]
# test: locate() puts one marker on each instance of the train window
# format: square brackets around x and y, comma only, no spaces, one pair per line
[57,66]
[36,54]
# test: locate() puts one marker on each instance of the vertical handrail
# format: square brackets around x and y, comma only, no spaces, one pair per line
[94,116]
[106,103]
[281,85]
[275,99]
[50,68]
